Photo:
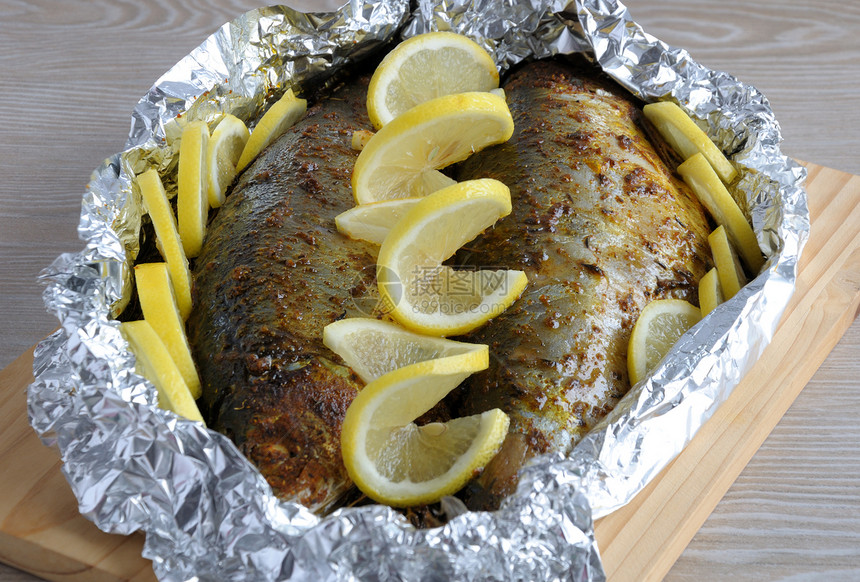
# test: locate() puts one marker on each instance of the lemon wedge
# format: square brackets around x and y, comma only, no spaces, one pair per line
[389,457]
[281,116]
[657,329]
[158,304]
[425,67]
[371,222]
[360,137]
[702,179]
[728,267]
[401,159]
[396,462]
[155,364]
[710,292]
[192,202]
[225,147]
[687,138]
[158,207]
[428,297]
[372,347]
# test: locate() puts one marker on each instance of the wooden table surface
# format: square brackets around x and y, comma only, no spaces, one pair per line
[72,72]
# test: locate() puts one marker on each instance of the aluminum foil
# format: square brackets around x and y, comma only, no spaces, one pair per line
[206,512]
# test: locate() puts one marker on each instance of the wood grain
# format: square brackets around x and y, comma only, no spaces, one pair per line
[642,540]
[71,77]
[792,514]
[72,74]
[40,527]
[639,542]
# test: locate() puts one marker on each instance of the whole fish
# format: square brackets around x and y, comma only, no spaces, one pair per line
[601,226]
[272,274]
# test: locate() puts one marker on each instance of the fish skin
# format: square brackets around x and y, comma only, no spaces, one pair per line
[256,330]
[273,272]
[601,227]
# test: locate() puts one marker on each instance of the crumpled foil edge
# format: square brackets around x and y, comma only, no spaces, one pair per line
[206,513]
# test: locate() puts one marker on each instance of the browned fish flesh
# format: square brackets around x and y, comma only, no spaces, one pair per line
[599,224]
[272,274]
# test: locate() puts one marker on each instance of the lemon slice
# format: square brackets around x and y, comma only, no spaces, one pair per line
[710,292]
[425,67]
[155,364]
[372,347]
[700,176]
[657,329]
[687,138]
[225,147]
[192,202]
[158,207]
[371,222]
[281,116]
[400,160]
[158,304]
[425,295]
[728,267]
[396,462]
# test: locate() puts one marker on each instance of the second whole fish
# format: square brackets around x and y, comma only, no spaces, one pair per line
[601,226]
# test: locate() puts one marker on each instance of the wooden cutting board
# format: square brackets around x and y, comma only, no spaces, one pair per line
[42,532]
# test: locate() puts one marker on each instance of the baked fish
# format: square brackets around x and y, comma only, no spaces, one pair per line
[272,274]
[601,227]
